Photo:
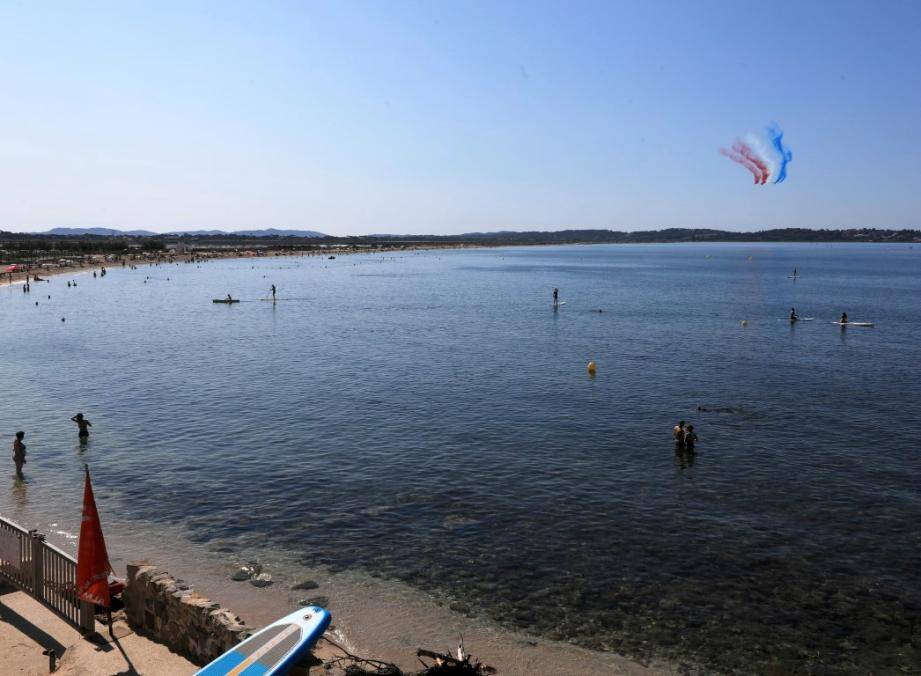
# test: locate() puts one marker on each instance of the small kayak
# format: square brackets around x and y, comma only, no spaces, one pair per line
[275,649]
[225,300]
[853,323]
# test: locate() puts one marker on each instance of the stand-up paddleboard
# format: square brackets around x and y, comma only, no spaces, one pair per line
[560,304]
[275,649]
[225,300]
[801,319]
[853,323]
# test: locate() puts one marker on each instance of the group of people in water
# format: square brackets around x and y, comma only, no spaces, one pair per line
[795,317]
[19,448]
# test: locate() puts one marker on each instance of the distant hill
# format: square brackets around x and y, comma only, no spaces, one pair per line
[102,232]
[272,232]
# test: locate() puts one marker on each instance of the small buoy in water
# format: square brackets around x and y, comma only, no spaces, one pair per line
[744,322]
[62,319]
[591,368]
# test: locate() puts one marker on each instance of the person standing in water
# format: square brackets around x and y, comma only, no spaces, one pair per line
[678,433]
[556,296]
[83,424]
[19,454]
[273,292]
[689,438]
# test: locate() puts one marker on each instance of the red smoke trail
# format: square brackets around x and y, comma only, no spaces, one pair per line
[745,162]
[750,155]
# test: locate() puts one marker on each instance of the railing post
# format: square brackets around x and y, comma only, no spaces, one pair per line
[38,565]
[87,618]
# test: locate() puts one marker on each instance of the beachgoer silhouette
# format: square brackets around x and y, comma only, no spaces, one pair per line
[678,433]
[83,424]
[689,438]
[19,453]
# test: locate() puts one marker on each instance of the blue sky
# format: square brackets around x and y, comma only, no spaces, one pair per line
[438,117]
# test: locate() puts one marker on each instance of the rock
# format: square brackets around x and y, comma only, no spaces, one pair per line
[261,580]
[306,585]
[322,601]
[251,570]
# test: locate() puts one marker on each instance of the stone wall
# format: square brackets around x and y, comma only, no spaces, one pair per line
[166,610]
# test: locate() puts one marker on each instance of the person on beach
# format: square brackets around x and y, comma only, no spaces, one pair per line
[843,319]
[689,438]
[556,296]
[793,316]
[678,433]
[273,292]
[19,454]
[83,424]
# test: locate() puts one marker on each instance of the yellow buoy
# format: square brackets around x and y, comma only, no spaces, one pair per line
[591,368]
[744,322]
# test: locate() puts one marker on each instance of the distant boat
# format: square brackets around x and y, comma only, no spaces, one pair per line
[225,300]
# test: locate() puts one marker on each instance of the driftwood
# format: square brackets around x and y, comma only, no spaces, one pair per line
[442,664]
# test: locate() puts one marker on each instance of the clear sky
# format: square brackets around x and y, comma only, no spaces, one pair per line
[449,117]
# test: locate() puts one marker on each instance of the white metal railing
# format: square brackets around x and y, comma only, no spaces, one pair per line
[44,572]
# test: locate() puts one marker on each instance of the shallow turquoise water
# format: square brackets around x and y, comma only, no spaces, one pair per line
[428,417]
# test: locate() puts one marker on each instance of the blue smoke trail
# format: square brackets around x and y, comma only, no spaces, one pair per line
[776,134]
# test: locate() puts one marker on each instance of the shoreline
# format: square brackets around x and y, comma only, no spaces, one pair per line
[372,617]
[205,256]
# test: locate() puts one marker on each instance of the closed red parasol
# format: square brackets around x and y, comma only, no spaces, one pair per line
[93,565]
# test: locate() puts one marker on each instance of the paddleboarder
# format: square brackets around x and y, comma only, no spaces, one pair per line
[19,454]
[556,296]
[793,316]
[83,424]
[273,292]
[843,319]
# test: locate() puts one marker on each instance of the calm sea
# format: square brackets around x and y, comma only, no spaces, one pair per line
[428,417]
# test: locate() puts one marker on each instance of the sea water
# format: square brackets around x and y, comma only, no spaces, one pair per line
[427,418]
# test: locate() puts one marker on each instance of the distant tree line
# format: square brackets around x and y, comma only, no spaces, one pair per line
[29,244]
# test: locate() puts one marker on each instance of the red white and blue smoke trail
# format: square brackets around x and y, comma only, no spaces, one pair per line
[767,162]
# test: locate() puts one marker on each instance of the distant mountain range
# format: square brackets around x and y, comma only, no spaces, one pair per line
[109,232]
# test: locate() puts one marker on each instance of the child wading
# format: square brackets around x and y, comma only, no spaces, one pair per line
[19,453]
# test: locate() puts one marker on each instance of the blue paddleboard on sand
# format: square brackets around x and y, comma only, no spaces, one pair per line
[274,649]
